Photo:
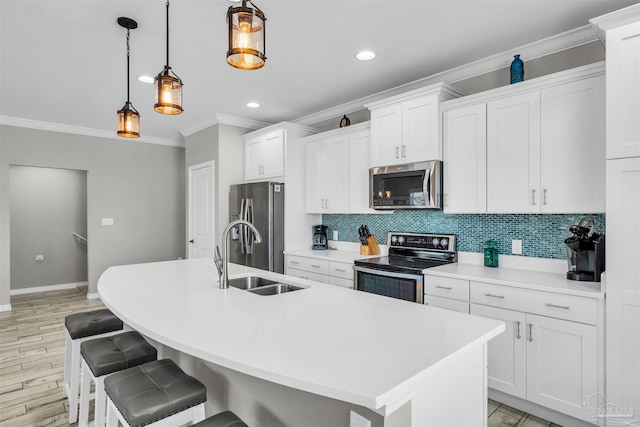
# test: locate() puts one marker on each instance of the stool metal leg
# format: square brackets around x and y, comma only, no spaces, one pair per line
[100,402]
[85,390]
[74,370]
[67,363]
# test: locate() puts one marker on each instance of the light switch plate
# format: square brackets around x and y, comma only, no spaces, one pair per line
[357,420]
[516,247]
[107,221]
[335,234]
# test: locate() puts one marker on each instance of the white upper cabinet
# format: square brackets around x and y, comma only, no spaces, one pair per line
[406,128]
[572,168]
[337,171]
[545,146]
[264,156]
[465,160]
[513,154]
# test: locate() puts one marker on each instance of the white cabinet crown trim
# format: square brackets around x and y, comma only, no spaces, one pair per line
[562,77]
[445,91]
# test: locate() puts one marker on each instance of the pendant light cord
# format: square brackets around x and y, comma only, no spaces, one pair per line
[167,66]
[128,66]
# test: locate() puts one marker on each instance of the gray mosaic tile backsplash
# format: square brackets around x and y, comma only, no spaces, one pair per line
[542,235]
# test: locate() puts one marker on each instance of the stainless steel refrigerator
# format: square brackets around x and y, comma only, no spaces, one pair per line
[262,204]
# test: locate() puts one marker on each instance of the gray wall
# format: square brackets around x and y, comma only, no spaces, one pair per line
[224,145]
[46,206]
[141,186]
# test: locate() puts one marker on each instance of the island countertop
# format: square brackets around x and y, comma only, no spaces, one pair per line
[344,344]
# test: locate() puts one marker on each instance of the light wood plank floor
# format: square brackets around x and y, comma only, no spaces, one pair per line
[32,362]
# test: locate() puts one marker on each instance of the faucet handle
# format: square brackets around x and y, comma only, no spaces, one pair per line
[218,261]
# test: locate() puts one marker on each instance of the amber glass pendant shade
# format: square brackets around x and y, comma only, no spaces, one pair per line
[246,36]
[168,93]
[128,122]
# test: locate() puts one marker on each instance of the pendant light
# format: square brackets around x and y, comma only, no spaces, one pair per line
[246,36]
[168,86]
[128,116]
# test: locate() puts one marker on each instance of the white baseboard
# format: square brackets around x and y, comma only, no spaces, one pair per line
[5,307]
[93,295]
[47,288]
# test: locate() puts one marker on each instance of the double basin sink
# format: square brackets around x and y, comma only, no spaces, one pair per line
[261,286]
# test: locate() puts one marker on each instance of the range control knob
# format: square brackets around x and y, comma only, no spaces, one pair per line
[444,243]
[435,242]
[401,240]
[394,240]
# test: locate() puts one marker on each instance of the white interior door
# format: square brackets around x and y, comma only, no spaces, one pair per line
[201,211]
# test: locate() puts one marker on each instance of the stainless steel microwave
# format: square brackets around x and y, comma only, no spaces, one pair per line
[408,186]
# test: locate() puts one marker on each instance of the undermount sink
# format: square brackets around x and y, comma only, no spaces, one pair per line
[250,282]
[261,286]
[275,289]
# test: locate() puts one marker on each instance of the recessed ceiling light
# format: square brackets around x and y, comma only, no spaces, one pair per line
[365,55]
[145,79]
[253,104]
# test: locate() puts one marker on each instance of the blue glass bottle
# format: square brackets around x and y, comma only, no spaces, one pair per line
[517,70]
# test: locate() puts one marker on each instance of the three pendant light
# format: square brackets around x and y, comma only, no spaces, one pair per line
[246,51]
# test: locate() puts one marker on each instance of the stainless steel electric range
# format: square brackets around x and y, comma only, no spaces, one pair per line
[399,275]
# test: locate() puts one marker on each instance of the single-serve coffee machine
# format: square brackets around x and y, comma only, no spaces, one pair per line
[320,238]
[585,252]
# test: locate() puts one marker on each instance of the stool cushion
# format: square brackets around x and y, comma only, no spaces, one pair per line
[117,352]
[153,391]
[90,323]
[223,419]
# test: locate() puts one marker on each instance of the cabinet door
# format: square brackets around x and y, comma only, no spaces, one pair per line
[572,160]
[507,352]
[465,162]
[359,155]
[314,177]
[420,130]
[513,154]
[336,175]
[623,281]
[562,367]
[253,159]
[623,89]
[273,155]
[386,135]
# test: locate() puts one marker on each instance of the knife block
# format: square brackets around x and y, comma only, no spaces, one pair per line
[371,248]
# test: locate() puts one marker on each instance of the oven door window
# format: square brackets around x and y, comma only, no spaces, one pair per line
[401,286]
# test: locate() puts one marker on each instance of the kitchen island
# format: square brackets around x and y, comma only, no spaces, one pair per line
[308,357]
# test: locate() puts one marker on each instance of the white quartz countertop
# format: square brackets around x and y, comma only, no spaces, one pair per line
[529,279]
[340,343]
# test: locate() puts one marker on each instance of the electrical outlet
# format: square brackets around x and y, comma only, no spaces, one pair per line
[357,420]
[107,221]
[39,257]
[516,247]
[335,234]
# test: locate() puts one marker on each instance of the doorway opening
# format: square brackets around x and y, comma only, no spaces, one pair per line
[48,229]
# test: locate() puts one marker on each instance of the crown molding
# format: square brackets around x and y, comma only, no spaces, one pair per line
[225,119]
[616,19]
[56,127]
[550,45]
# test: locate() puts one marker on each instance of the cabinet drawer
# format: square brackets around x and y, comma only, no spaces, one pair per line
[308,264]
[568,307]
[447,287]
[341,269]
[449,304]
[308,275]
[338,281]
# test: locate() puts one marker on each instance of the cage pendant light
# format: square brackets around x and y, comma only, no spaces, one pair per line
[246,36]
[168,86]
[128,116]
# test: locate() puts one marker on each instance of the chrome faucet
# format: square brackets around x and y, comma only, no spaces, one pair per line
[222,263]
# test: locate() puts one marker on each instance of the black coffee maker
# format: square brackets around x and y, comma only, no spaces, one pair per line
[320,238]
[585,252]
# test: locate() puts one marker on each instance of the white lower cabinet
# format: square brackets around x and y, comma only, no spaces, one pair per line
[549,361]
[332,272]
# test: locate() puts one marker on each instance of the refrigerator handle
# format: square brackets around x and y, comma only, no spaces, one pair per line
[241,228]
[249,235]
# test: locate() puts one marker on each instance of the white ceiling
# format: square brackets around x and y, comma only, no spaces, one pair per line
[64,62]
